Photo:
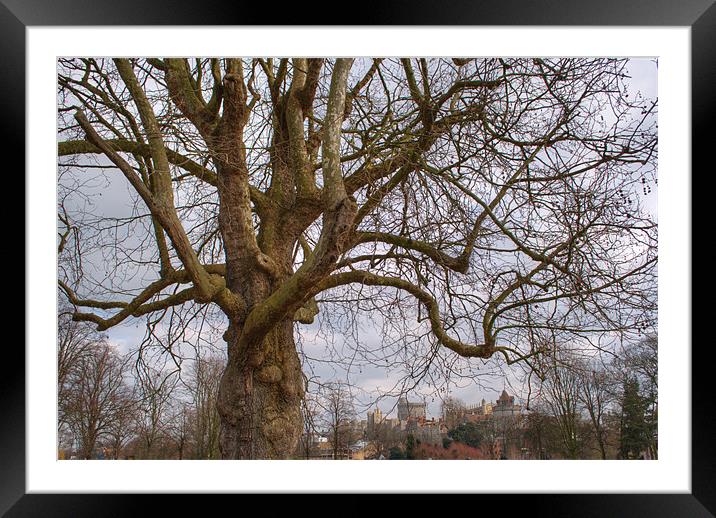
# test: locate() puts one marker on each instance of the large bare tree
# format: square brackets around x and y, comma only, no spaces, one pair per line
[496,201]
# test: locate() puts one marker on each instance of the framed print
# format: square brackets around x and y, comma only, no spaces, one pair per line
[539,289]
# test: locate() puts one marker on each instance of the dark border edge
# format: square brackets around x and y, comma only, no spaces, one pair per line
[703,109]
[12,380]
[12,446]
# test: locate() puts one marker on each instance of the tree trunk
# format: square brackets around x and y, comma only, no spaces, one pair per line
[87,445]
[260,396]
[602,446]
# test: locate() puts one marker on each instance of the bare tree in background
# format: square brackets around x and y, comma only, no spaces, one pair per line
[91,379]
[311,412]
[179,427]
[75,342]
[495,201]
[98,396]
[337,415]
[153,394]
[384,437]
[204,379]
[560,393]
[122,428]
[596,395]
[451,410]
[541,432]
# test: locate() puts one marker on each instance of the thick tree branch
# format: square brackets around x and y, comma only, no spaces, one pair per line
[160,180]
[181,91]
[164,213]
[296,108]
[194,169]
[363,277]
[334,190]
[139,305]
[135,307]
[338,217]
[458,264]
[136,182]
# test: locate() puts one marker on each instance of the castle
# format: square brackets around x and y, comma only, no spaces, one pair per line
[378,432]
[408,410]
[506,407]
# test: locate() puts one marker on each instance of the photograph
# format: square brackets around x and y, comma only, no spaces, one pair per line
[357,258]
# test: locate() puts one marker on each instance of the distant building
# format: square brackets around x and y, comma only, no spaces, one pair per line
[408,410]
[391,422]
[505,407]
[375,418]
[430,432]
[472,414]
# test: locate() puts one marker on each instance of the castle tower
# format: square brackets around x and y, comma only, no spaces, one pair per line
[408,409]
[505,406]
[374,419]
[403,411]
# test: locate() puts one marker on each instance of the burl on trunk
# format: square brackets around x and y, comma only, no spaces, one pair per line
[260,397]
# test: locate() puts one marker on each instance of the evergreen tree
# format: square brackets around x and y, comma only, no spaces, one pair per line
[634,427]
[410,447]
[395,453]
[467,433]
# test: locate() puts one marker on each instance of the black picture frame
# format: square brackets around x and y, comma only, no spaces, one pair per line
[700,15]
